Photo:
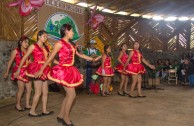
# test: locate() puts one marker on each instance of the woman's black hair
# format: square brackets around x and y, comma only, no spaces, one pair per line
[41,32]
[63,28]
[20,44]
[136,42]
[190,55]
[158,61]
[122,46]
[140,49]
[105,49]
[183,56]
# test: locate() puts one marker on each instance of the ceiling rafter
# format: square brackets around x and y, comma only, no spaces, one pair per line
[128,5]
[151,7]
[108,4]
[147,7]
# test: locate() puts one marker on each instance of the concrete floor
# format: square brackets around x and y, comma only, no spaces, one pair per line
[173,106]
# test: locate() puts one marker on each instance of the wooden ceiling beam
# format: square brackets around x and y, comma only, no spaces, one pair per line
[94,2]
[189,12]
[163,10]
[162,7]
[172,8]
[78,1]
[147,7]
[175,9]
[128,5]
[108,4]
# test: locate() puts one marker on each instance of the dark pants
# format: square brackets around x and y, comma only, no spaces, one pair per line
[88,74]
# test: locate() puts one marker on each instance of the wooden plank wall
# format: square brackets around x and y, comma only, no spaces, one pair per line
[173,36]
[13,26]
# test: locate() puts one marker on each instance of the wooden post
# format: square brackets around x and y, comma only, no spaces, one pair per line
[165,41]
[188,35]
[177,43]
[1,19]
[113,41]
[177,38]
[86,28]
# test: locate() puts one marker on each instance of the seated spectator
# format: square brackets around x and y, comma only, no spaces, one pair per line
[159,67]
[190,57]
[183,56]
[176,65]
[167,66]
[187,69]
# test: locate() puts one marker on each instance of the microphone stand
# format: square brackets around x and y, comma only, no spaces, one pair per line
[154,85]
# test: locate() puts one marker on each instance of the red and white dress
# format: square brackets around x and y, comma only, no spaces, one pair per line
[65,73]
[39,57]
[107,67]
[136,67]
[22,75]
[120,67]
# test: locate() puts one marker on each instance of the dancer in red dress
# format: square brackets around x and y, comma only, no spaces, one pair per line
[39,53]
[135,68]
[124,75]
[106,70]
[22,79]
[65,73]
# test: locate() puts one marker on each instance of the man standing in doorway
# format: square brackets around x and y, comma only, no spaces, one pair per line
[92,52]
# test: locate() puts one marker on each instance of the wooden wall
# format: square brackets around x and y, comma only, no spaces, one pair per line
[13,26]
[173,36]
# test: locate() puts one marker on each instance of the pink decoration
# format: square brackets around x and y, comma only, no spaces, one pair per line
[26,6]
[95,20]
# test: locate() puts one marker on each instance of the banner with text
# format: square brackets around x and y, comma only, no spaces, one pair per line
[55,13]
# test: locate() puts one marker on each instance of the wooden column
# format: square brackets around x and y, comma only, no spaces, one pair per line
[1,19]
[164,38]
[114,32]
[177,43]
[86,28]
[188,35]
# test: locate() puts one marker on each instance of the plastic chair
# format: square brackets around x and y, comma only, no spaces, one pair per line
[172,75]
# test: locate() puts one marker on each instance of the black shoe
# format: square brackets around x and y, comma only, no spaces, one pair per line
[141,96]
[37,115]
[121,94]
[27,108]
[65,124]
[49,113]
[20,110]
[131,96]
[60,120]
